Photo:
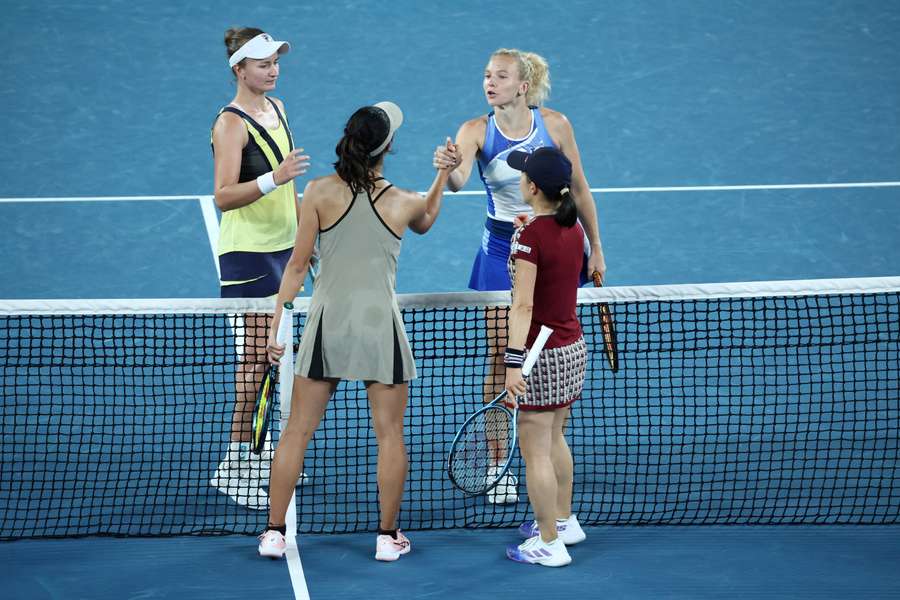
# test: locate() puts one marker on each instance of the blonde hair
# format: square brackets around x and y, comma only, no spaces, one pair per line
[533,69]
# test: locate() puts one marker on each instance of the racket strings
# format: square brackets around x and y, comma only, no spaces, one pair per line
[483,444]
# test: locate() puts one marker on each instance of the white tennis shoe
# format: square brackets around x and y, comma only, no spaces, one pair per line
[535,551]
[272,544]
[506,491]
[569,530]
[233,479]
[260,464]
[388,548]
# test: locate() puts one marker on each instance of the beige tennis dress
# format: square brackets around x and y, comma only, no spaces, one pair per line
[354,329]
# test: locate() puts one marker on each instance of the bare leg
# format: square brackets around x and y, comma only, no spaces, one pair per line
[561,457]
[252,363]
[495,321]
[388,404]
[535,441]
[308,402]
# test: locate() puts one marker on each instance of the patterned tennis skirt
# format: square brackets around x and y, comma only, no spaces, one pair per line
[557,378]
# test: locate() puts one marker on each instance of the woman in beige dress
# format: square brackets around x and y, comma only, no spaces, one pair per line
[354,329]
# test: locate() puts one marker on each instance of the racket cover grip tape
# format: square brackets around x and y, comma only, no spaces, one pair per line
[536,348]
[285,337]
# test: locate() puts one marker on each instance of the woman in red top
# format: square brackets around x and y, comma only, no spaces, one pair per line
[544,264]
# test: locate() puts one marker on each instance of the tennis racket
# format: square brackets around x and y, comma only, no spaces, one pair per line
[314,267]
[608,328]
[477,459]
[265,397]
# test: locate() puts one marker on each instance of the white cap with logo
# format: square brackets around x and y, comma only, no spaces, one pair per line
[262,46]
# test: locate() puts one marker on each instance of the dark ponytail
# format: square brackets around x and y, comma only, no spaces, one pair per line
[566,213]
[364,132]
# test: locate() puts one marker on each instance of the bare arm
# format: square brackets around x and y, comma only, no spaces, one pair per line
[581,192]
[229,138]
[429,209]
[523,303]
[520,322]
[460,157]
[298,264]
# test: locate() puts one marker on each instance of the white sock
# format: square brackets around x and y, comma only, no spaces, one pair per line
[238,451]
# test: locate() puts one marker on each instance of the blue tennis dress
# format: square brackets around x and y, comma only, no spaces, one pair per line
[504,199]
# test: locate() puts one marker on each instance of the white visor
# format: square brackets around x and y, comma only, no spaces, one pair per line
[262,46]
[395,118]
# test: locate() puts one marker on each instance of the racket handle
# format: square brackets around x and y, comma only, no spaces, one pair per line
[286,324]
[536,348]
[285,336]
[598,282]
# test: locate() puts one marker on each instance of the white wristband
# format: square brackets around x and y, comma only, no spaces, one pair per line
[266,183]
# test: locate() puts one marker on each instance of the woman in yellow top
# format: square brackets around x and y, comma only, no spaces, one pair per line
[255,166]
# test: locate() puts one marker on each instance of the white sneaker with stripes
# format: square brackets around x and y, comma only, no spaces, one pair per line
[535,551]
[569,530]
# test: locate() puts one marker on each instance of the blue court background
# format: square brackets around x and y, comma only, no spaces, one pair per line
[116,98]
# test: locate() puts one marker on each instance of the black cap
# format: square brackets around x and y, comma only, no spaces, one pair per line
[547,167]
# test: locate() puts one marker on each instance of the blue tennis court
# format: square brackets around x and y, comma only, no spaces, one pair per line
[725,142]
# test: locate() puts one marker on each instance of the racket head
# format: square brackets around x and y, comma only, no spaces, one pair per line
[262,409]
[607,327]
[482,448]
[609,337]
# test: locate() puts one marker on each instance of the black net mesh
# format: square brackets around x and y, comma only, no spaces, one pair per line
[723,411]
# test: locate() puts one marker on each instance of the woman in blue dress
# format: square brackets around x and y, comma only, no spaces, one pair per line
[515,85]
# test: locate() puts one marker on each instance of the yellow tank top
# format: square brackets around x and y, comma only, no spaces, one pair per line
[270,223]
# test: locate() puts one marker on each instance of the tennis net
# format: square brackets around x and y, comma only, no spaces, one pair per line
[762,403]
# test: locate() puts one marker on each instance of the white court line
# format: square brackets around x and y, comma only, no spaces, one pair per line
[292,552]
[295,568]
[737,188]
[285,393]
[102,199]
[208,208]
[722,188]
[688,188]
